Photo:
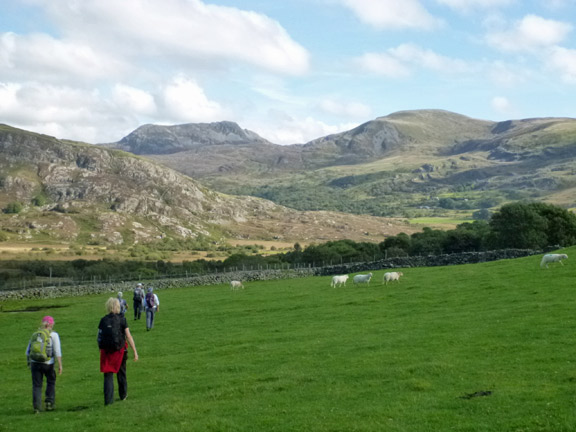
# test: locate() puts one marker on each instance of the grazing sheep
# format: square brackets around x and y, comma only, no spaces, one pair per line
[392,276]
[235,285]
[339,280]
[358,279]
[550,258]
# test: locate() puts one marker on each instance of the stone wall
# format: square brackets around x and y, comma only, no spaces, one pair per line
[254,275]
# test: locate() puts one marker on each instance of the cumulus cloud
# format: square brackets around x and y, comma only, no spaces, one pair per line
[393,14]
[502,106]
[292,130]
[344,109]
[383,64]
[398,62]
[530,34]
[133,100]
[27,57]
[563,61]
[181,29]
[467,5]
[184,100]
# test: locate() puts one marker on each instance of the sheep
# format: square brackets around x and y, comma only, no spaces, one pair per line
[339,280]
[234,285]
[361,278]
[392,276]
[549,258]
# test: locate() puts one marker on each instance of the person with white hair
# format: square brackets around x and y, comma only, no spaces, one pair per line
[114,337]
[152,305]
[138,300]
[123,303]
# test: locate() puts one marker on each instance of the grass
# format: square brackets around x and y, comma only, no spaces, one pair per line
[297,355]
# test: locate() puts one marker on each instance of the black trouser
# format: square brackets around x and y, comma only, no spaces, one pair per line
[137,309]
[39,371]
[122,382]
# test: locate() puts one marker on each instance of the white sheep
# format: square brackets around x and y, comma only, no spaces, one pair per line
[391,276]
[550,258]
[362,278]
[235,285]
[338,281]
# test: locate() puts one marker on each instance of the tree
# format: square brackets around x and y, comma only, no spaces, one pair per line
[518,225]
[13,207]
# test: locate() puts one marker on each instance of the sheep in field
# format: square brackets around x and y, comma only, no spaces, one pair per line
[550,258]
[392,276]
[235,285]
[338,281]
[362,278]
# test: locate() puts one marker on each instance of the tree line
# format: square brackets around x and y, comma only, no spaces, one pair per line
[535,226]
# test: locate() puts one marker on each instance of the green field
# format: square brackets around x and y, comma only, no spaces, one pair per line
[486,347]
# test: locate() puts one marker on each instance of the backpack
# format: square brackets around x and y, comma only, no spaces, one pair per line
[138,294]
[150,300]
[110,335]
[41,346]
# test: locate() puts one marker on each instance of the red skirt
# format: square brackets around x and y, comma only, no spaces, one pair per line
[111,361]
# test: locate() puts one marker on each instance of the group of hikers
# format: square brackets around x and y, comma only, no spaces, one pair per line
[114,337]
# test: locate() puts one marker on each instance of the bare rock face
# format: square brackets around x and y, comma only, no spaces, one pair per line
[99,195]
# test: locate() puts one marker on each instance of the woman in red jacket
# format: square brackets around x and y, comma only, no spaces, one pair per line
[113,339]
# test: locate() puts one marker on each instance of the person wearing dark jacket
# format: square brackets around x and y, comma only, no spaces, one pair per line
[113,340]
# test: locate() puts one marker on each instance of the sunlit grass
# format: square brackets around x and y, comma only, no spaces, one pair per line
[485,347]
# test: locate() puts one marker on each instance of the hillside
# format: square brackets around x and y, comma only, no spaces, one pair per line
[61,191]
[396,165]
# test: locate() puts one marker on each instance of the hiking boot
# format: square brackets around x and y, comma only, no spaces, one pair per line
[49,406]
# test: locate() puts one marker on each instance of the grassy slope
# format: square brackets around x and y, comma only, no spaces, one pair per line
[297,355]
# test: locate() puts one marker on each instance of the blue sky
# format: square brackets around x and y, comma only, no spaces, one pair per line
[292,71]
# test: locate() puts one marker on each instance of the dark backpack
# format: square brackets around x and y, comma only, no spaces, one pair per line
[41,346]
[150,300]
[138,295]
[110,335]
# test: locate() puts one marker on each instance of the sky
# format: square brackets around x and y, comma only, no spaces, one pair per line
[289,70]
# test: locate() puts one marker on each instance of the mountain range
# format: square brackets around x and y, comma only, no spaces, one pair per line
[219,181]
[390,166]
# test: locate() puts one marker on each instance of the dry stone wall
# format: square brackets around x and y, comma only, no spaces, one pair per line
[255,275]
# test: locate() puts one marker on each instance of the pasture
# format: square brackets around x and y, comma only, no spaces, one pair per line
[472,348]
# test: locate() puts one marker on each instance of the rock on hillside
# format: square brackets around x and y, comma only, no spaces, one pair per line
[75,191]
[154,139]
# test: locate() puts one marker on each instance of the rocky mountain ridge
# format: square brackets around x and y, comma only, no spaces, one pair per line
[73,191]
[421,153]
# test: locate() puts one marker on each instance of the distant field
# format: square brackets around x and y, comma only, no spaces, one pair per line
[472,348]
[440,221]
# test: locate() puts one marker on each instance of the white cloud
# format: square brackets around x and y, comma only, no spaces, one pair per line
[398,62]
[383,64]
[282,128]
[133,100]
[563,61]
[56,61]
[467,5]
[506,75]
[181,29]
[531,33]
[345,109]
[393,14]
[428,59]
[184,100]
[502,106]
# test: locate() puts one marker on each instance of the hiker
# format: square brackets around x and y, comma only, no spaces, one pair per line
[152,306]
[43,348]
[123,303]
[113,338]
[138,300]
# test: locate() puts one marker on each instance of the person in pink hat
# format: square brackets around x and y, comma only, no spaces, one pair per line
[41,353]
